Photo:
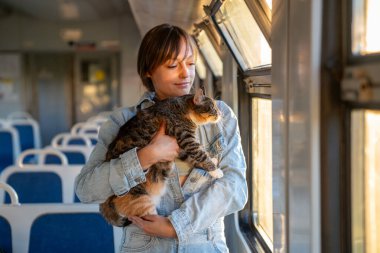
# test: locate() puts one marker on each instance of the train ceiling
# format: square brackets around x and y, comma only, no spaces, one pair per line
[147,13]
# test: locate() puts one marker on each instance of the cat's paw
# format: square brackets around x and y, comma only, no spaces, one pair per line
[218,173]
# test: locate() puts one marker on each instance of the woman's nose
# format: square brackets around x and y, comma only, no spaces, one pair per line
[184,71]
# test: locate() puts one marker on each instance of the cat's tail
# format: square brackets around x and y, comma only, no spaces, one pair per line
[107,209]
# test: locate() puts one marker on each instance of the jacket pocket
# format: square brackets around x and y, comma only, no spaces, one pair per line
[137,241]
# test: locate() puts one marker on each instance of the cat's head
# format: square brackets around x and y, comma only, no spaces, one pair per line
[204,109]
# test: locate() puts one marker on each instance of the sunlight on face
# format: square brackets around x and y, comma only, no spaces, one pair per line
[176,76]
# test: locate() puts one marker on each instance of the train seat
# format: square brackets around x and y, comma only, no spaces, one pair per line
[29,133]
[85,232]
[41,157]
[69,139]
[59,228]
[5,227]
[6,236]
[41,183]
[9,146]
[88,129]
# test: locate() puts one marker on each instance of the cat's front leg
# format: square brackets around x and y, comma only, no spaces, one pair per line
[210,166]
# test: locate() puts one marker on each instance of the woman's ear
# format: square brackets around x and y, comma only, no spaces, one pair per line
[198,96]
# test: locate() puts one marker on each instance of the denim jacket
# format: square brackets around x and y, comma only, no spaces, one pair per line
[197,209]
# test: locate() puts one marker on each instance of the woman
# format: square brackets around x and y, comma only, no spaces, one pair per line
[192,210]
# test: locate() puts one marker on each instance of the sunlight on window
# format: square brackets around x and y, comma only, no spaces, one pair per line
[209,53]
[365,35]
[269,3]
[243,35]
[262,165]
[365,181]
[200,67]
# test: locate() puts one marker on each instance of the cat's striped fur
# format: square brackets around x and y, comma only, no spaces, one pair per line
[181,115]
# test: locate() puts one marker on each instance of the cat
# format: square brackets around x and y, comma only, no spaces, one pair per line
[181,115]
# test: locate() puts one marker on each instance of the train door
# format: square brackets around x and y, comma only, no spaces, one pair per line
[96,84]
[49,99]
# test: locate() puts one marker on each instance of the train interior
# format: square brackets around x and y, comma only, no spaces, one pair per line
[302,77]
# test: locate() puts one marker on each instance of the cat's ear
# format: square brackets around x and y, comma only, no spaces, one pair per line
[198,96]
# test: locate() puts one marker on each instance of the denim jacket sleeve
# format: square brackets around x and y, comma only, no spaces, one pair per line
[225,195]
[99,179]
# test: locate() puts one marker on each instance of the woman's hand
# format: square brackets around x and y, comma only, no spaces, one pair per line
[155,225]
[162,148]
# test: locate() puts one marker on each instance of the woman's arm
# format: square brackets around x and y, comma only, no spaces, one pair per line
[99,179]
[225,195]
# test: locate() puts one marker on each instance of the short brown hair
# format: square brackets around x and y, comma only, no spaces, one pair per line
[160,44]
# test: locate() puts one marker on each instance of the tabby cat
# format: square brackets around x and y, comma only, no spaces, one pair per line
[181,115]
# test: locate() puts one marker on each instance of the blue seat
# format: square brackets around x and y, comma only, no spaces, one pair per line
[26,136]
[74,157]
[71,232]
[36,187]
[9,145]
[28,131]
[41,183]
[57,228]
[6,235]
[6,150]
[41,157]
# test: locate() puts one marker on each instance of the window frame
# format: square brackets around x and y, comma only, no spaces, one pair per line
[262,21]
[351,58]
[249,88]
[217,50]
[337,57]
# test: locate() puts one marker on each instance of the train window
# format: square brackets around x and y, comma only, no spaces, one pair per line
[243,35]
[365,180]
[262,167]
[364,30]
[209,53]
[200,67]
[269,3]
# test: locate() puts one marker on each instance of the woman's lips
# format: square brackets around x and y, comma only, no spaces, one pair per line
[183,84]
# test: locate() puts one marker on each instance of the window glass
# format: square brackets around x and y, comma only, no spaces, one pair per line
[262,166]
[200,67]
[209,53]
[365,181]
[365,30]
[243,35]
[269,3]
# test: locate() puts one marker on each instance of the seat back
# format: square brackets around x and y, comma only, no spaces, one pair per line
[28,131]
[41,183]
[85,232]
[36,186]
[9,146]
[67,139]
[76,155]
[7,189]
[5,227]
[58,228]
[41,157]
[6,236]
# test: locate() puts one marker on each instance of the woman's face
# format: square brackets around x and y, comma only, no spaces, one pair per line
[175,77]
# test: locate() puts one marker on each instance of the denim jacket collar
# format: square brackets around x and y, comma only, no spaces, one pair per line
[146,100]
